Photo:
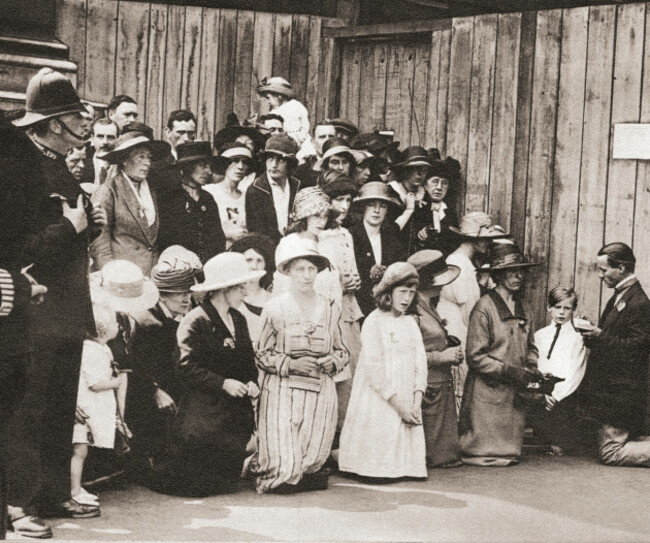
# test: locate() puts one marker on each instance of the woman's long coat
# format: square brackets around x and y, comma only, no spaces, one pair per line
[492,415]
[212,428]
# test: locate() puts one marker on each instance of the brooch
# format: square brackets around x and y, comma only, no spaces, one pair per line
[229,342]
[620,306]
[202,208]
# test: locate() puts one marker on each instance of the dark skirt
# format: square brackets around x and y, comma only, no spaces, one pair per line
[440,424]
[208,446]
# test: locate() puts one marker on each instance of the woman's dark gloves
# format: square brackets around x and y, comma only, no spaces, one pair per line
[520,375]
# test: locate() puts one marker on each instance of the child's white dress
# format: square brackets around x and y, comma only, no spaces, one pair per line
[375,441]
[101,407]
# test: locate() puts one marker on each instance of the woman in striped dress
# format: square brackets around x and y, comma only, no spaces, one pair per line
[299,352]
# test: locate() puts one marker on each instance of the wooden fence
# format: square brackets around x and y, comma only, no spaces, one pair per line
[207,60]
[527,103]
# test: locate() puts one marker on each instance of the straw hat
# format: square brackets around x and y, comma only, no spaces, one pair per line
[338,146]
[395,274]
[173,277]
[226,270]
[478,225]
[122,285]
[308,202]
[298,246]
[132,140]
[139,128]
[49,94]
[430,263]
[178,253]
[234,129]
[507,256]
[376,190]
[193,151]
[277,85]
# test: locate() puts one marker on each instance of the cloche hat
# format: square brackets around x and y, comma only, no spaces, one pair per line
[131,140]
[478,225]
[283,145]
[226,270]
[49,94]
[296,246]
[308,202]
[335,183]
[396,274]
[432,264]
[122,286]
[278,85]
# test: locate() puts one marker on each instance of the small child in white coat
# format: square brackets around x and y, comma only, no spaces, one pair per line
[561,353]
[281,96]
[96,400]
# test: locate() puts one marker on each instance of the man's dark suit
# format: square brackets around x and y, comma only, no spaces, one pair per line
[260,211]
[616,381]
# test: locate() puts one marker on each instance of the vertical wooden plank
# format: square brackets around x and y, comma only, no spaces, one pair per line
[174,60]
[480,112]
[244,64]
[71,30]
[568,153]
[460,74]
[366,81]
[313,66]
[641,239]
[443,92]
[542,154]
[329,82]
[208,80]
[353,68]
[522,131]
[595,147]
[191,59]
[226,67]
[346,73]
[433,86]
[153,114]
[132,52]
[420,94]
[99,83]
[626,108]
[399,89]
[299,55]
[502,154]
[262,57]
[380,74]
[282,46]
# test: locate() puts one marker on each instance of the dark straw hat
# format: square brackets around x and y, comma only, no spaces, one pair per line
[507,256]
[413,156]
[193,151]
[234,129]
[177,276]
[433,266]
[49,94]
[335,184]
[139,128]
[375,143]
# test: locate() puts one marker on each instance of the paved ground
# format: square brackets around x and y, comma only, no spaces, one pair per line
[543,499]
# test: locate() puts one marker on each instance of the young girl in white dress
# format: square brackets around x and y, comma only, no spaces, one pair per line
[382,435]
[96,403]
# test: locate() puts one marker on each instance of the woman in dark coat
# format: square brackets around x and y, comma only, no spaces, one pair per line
[216,367]
[154,388]
[439,416]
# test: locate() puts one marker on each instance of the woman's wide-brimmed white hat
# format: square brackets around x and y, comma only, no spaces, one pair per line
[298,245]
[478,225]
[226,270]
[122,285]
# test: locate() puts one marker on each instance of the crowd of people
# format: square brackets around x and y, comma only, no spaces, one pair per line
[275,304]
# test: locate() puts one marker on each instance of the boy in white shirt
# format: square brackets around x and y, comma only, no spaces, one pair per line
[561,353]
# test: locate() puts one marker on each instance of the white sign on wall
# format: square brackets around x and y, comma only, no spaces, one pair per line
[631,141]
